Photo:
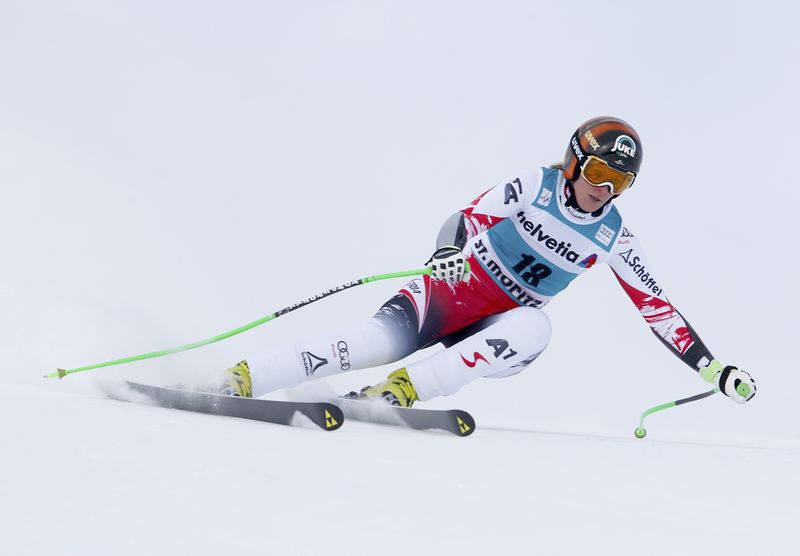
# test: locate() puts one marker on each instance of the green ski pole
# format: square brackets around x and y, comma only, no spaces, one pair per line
[61,373]
[641,432]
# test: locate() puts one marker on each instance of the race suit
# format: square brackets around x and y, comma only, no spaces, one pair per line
[526,240]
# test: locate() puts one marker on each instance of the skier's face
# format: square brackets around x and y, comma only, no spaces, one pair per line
[590,197]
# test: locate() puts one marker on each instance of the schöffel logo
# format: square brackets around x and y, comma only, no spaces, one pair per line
[536,232]
[311,362]
[640,270]
[624,145]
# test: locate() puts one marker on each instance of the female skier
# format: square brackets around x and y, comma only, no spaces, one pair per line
[525,240]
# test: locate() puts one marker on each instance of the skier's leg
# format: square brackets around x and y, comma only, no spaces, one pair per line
[420,313]
[447,313]
[390,335]
[504,347]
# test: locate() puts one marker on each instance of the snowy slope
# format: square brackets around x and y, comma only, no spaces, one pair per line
[85,475]
[172,170]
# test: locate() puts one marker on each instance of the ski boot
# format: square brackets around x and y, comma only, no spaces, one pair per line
[397,390]
[236,381]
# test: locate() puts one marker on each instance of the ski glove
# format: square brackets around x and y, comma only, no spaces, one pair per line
[448,263]
[734,383]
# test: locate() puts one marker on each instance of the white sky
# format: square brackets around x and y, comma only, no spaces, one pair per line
[171,170]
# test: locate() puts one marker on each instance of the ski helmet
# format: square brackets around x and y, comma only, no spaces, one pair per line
[610,139]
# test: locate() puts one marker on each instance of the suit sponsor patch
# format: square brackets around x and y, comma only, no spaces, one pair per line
[604,235]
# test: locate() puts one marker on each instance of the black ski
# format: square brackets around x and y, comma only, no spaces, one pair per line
[453,421]
[326,416]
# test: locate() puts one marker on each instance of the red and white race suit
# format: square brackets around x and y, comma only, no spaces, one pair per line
[526,240]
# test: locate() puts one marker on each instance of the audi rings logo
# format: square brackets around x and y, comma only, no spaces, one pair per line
[344,355]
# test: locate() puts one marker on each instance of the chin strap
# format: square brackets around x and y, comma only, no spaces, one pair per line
[572,199]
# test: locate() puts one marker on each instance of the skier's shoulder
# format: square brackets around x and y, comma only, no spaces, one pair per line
[524,180]
[614,218]
[534,179]
[625,240]
[609,228]
[512,191]
[543,177]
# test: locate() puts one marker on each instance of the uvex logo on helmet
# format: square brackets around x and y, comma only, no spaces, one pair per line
[610,139]
[577,148]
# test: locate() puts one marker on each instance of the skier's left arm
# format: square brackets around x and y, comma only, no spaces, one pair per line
[630,266]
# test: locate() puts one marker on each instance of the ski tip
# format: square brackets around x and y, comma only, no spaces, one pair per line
[333,417]
[465,424]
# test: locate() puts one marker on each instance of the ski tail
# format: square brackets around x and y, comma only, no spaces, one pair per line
[327,416]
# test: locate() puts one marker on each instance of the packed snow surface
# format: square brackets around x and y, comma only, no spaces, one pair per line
[87,475]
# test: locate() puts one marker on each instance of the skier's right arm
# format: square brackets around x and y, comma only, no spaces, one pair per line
[491,207]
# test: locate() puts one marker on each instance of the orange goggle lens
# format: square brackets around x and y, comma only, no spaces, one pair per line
[597,172]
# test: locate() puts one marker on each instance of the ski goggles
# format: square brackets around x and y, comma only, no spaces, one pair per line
[597,172]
